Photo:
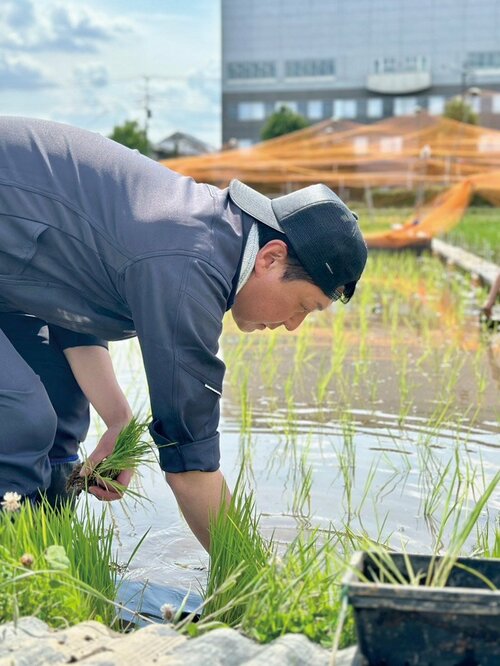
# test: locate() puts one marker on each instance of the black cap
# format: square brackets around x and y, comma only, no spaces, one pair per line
[322,230]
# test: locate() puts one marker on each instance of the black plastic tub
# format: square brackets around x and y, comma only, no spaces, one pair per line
[402,625]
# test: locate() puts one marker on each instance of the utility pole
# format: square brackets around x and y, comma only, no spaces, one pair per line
[147,108]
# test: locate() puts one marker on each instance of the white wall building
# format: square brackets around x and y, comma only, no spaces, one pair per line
[356,59]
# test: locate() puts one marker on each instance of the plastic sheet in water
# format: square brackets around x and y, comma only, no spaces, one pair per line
[141,601]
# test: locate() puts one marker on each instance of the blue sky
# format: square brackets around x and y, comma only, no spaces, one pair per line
[84,62]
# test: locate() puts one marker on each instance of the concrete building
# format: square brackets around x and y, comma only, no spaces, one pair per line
[361,60]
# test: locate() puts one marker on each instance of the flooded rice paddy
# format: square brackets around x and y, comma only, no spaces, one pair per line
[374,417]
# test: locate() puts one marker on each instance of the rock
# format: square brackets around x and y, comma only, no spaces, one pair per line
[31,626]
[221,647]
[53,647]
[30,641]
[144,646]
[291,650]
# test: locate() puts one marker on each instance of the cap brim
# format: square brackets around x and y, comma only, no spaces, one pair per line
[254,203]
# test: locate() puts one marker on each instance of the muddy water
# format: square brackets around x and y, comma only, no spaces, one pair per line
[373,440]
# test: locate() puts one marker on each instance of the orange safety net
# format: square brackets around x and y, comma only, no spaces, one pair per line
[410,152]
[439,216]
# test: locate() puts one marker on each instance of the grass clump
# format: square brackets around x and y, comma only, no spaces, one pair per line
[478,232]
[253,589]
[130,451]
[238,554]
[55,565]
[300,593]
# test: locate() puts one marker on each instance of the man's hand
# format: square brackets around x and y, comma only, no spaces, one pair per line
[487,310]
[103,450]
[93,370]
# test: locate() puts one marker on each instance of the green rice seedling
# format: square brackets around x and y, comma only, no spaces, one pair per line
[364,305]
[322,385]
[347,462]
[461,532]
[245,462]
[336,358]
[290,425]
[130,451]
[245,405]
[338,323]
[56,565]
[238,553]
[405,387]
[395,481]
[480,371]
[300,592]
[301,505]
[246,440]
[235,356]
[270,363]
[266,595]
[370,477]
[488,540]
[303,350]
[437,489]
[440,568]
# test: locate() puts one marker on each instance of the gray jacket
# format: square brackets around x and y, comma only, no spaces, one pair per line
[101,240]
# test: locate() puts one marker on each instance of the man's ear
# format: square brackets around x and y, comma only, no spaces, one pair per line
[271,256]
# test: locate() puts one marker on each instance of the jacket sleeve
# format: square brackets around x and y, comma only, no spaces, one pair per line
[66,338]
[177,305]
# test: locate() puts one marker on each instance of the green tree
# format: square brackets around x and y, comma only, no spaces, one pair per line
[282,122]
[458,109]
[131,135]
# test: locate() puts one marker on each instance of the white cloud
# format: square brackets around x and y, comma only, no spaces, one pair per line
[87,61]
[191,104]
[92,74]
[18,15]
[22,73]
[49,25]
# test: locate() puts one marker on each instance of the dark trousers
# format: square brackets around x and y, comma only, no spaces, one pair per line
[43,413]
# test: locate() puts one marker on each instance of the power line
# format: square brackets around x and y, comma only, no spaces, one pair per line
[69,83]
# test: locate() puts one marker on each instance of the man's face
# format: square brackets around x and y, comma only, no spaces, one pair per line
[268,301]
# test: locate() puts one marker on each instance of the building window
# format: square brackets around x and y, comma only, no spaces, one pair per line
[374,107]
[495,104]
[391,144]
[245,143]
[293,106]
[251,111]
[484,60]
[392,65]
[360,145]
[389,65]
[489,143]
[405,106]
[310,67]
[265,69]
[475,103]
[435,105]
[315,109]
[344,108]
[414,63]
